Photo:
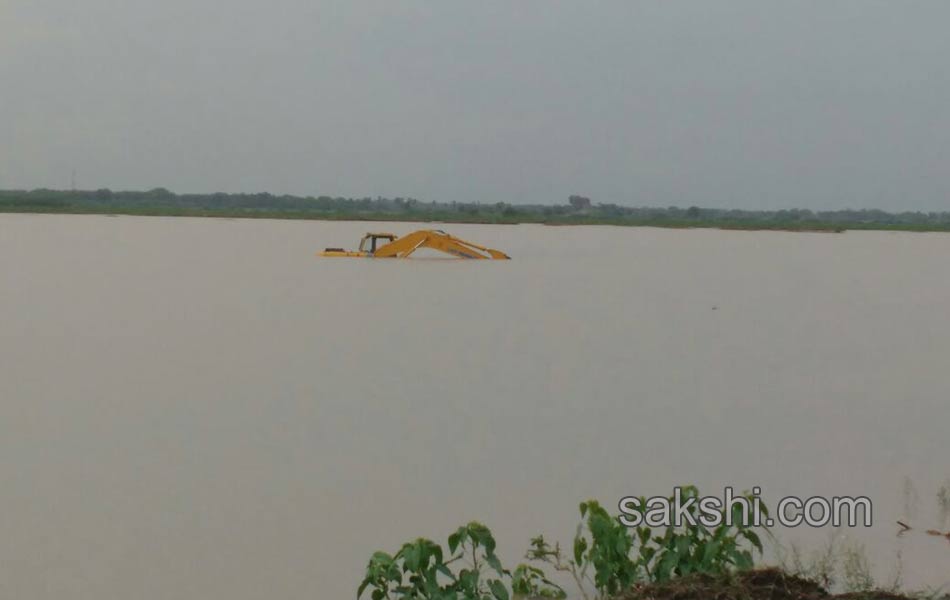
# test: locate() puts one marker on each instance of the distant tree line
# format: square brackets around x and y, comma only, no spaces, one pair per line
[577,209]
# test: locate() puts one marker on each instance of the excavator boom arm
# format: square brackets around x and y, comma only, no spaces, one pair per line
[437,240]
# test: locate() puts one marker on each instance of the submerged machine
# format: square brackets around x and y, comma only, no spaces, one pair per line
[387,245]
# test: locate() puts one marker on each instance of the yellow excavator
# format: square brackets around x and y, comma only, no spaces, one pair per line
[387,245]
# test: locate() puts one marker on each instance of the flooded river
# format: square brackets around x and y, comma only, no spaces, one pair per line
[203,408]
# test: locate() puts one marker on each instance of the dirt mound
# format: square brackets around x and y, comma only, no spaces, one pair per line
[761,584]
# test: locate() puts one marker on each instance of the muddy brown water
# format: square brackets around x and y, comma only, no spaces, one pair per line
[202,408]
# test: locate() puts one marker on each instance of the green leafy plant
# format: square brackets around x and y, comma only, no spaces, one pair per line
[695,548]
[419,570]
[602,543]
[413,572]
[606,556]
[531,582]
[608,550]
[620,556]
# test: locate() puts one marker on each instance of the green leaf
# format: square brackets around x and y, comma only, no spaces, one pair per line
[498,589]
[710,552]
[454,542]
[621,545]
[644,534]
[411,557]
[494,563]
[441,568]
[753,538]
[580,547]
[682,546]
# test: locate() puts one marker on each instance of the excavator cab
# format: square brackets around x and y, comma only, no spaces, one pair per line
[370,241]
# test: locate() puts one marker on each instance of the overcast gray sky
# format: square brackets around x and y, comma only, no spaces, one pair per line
[751,103]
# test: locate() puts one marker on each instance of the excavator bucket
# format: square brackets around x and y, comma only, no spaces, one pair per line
[393,247]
